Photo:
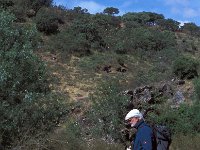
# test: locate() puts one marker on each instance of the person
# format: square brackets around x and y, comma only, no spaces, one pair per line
[144,138]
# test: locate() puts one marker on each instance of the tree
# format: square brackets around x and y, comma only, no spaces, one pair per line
[141,18]
[105,22]
[33,4]
[81,37]
[111,11]
[168,24]
[153,17]
[185,67]
[6,3]
[192,28]
[37,4]
[79,10]
[47,20]
[27,106]
[138,39]
[107,110]
[21,70]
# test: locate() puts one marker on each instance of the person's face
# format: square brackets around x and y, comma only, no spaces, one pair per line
[133,121]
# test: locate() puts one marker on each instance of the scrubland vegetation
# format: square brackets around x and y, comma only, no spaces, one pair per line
[63,73]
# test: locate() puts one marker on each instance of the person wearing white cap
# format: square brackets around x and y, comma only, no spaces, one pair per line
[144,135]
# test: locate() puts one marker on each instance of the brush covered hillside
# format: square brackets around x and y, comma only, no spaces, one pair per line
[68,77]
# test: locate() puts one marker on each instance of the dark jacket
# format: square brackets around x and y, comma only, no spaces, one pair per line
[144,137]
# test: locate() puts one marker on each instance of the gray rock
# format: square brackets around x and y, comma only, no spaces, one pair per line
[178,98]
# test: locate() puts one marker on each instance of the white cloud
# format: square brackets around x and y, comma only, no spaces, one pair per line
[183,22]
[177,2]
[128,3]
[175,10]
[59,2]
[189,12]
[91,6]
[186,12]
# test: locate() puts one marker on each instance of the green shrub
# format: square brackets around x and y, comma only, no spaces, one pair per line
[80,38]
[183,120]
[168,24]
[105,22]
[108,110]
[36,115]
[185,67]
[141,18]
[6,3]
[31,4]
[68,43]
[37,4]
[141,39]
[185,142]
[74,137]
[191,28]
[21,70]
[25,107]
[100,144]
[19,13]
[47,20]
[98,60]
[197,89]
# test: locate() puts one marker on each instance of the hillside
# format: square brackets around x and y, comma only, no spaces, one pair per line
[68,77]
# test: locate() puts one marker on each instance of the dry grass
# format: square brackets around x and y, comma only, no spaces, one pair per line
[79,84]
[181,142]
[67,78]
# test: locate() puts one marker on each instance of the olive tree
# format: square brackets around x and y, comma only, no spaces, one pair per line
[111,11]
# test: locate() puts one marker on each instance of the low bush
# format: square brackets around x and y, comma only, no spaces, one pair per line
[183,120]
[80,38]
[27,106]
[107,112]
[6,4]
[35,115]
[185,142]
[138,39]
[185,67]
[48,19]
[197,89]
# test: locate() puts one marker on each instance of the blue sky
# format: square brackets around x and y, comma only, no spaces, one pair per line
[179,10]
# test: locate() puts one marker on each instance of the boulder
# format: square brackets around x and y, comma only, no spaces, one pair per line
[31,13]
[178,98]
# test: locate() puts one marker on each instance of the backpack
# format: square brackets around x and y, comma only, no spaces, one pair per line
[162,137]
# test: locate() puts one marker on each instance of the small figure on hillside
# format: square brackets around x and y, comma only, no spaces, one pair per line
[144,138]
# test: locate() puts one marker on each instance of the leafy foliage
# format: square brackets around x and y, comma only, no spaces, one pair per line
[79,10]
[17,54]
[130,40]
[6,3]
[133,19]
[111,11]
[105,22]
[185,67]
[36,115]
[108,109]
[81,37]
[24,84]
[168,24]
[34,4]
[47,20]
[183,120]
[197,89]
[192,28]
[24,107]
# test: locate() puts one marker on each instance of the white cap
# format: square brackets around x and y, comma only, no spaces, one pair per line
[134,113]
